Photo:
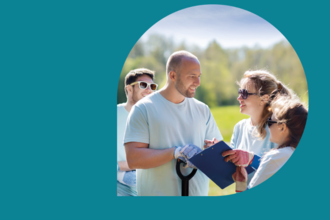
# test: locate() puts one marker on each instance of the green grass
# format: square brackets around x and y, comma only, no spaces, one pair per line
[226,117]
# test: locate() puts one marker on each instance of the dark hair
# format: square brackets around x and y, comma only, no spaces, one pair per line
[134,74]
[293,113]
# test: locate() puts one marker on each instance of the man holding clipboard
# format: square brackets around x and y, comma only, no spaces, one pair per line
[159,127]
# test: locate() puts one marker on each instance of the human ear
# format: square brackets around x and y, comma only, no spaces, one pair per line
[265,98]
[129,89]
[172,75]
[285,133]
[284,128]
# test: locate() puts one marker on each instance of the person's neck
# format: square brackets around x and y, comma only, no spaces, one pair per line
[170,93]
[255,120]
[128,105]
[285,139]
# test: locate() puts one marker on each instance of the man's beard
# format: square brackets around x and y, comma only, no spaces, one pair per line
[181,89]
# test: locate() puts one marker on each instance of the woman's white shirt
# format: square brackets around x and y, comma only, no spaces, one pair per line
[270,163]
[244,138]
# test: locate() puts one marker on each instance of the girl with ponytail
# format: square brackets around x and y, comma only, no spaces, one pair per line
[286,126]
[257,90]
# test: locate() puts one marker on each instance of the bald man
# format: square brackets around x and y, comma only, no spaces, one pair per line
[161,124]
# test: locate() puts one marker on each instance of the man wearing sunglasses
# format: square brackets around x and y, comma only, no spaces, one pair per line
[167,125]
[138,84]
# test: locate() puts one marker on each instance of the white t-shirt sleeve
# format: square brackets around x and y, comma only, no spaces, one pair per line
[212,130]
[233,141]
[137,129]
[269,165]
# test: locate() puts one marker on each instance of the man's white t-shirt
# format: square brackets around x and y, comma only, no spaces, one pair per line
[270,164]
[162,124]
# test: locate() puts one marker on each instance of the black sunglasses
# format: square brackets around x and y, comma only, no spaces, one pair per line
[244,93]
[270,122]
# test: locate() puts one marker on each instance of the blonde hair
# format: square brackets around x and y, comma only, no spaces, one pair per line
[290,111]
[265,83]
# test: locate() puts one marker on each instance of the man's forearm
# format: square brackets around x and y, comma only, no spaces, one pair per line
[145,158]
[123,166]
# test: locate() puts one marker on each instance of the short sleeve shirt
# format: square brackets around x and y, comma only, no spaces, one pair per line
[162,124]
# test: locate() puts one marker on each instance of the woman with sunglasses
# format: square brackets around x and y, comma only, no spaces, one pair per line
[252,134]
[286,127]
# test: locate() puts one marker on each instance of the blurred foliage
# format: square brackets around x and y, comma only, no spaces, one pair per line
[221,68]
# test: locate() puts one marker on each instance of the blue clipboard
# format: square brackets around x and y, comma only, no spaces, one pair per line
[211,162]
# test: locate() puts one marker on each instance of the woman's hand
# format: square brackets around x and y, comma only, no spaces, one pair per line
[209,143]
[238,157]
[240,177]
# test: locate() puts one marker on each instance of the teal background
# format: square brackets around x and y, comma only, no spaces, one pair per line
[59,66]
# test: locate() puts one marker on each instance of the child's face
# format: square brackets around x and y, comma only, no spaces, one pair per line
[278,132]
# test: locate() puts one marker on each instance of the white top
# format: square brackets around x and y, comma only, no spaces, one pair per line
[125,180]
[122,115]
[270,164]
[162,124]
[244,138]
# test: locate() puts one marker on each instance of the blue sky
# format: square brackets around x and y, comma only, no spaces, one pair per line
[231,27]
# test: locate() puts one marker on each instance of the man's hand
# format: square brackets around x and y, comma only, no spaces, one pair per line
[238,157]
[209,143]
[186,152]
